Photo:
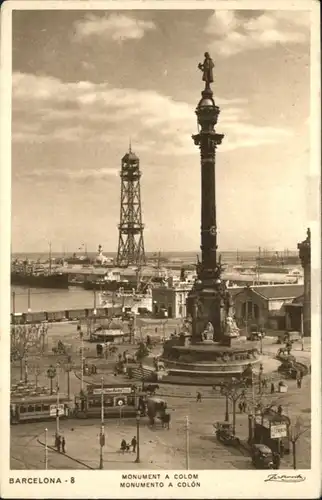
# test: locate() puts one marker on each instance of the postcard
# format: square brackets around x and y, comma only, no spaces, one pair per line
[160,250]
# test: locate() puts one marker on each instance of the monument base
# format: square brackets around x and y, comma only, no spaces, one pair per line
[209,359]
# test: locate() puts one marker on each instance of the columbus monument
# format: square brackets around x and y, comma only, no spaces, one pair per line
[211,345]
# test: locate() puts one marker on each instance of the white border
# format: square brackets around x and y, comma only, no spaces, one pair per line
[224,484]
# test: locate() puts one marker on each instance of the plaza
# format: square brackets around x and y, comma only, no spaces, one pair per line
[159,448]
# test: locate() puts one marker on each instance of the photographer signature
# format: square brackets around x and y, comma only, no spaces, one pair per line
[284,478]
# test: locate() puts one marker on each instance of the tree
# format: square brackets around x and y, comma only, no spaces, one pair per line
[22,340]
[233,390]
[296,431]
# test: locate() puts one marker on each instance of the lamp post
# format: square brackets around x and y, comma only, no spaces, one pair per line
[187,443]
[138,416]
[46,449]
[227,408]
[260,378]
[26,371]
[37,373]
[57,403]
[68,369]
[81,335]
[51,374]
[260,343]
[102,433]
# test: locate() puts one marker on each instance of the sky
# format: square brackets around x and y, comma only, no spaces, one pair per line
[85,83]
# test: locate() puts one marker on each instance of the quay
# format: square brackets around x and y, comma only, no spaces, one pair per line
[64,315]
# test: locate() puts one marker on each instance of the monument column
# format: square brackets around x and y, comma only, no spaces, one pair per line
[207,302]
[305,255]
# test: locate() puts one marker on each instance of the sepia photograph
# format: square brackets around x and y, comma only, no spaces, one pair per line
[161,231]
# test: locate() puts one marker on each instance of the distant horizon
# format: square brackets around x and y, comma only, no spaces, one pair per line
[149,252]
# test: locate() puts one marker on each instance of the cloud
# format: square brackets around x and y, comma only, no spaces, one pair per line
[45,109]
[117,27]
[231,32]
[81,174]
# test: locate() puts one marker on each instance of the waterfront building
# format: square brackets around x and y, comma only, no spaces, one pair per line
[265,305]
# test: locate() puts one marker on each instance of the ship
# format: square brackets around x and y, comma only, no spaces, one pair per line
[37,275]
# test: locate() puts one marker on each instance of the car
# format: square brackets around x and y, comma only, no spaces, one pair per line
[224,433]
[256,333]
[262,457]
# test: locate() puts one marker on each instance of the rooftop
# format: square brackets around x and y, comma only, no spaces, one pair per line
[279,291]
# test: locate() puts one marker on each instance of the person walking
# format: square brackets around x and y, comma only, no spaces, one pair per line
[133,444]
[198,397]
[276,460]
[58,443]
[272,388]
[63,444]
[241,407]
[123,445]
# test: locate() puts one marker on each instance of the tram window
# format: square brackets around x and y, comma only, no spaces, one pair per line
[96,402]
[45,407]
[22,409]
[131,401]
[31,409]
[109,402]
[38,407]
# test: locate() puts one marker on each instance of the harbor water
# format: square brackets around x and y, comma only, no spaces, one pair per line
[44,299]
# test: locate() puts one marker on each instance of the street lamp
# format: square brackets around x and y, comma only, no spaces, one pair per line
[102,433]
[260,378]
[260,343]
[138,417]
[26,371]
[51,374]
[57,403]
[46,450]
[68,369]
[37,373]
[81,335]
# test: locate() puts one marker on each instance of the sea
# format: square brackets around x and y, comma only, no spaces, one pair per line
[38,299]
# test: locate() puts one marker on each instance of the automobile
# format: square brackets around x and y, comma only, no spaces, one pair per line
[224,433]
[262,457]
[256,333]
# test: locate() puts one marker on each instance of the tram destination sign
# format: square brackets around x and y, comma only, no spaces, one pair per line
[113,390]
[278,431]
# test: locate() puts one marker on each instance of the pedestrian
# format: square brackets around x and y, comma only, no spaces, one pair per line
[282,450]
[276,460]
[133,444]
[198,397]
[272,388]
[300,381]
[244,406]
[58,443]
[63,444]
[240,406]
[279,410]
[123,445]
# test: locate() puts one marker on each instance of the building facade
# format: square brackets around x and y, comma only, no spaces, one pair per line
[170,301]
[265,306]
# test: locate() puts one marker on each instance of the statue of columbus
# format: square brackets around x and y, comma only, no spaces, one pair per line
[207,69]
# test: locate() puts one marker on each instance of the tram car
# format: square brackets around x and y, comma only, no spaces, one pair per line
[119,401]
[30,408]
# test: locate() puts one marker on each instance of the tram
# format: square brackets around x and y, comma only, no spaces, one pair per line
[24,409]
[118,401]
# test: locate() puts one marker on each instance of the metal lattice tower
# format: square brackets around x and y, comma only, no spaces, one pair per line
[131,244]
